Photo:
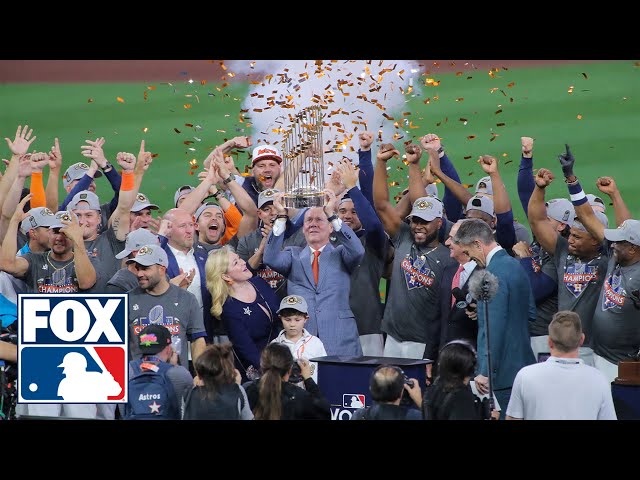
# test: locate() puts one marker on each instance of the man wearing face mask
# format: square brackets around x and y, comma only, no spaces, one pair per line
[510,311]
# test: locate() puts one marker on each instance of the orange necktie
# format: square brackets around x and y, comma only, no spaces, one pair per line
[315,266]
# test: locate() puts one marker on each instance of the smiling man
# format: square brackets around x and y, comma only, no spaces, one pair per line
[265,164]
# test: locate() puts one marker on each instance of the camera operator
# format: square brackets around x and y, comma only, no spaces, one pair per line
[387,385]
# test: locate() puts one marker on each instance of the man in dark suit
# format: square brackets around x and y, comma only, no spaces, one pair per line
[510,311]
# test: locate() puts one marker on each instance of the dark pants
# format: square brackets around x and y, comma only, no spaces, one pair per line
[503,397]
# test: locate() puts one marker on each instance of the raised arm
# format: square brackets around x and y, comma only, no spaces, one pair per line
[452,205]
[12,197]
[19,146]
[132,173]
[85,271]
[413,154]
[584,211]
[53,181]
[365,165]
[94,151]
[608,185]
[390,219]
[39,160]
[526,183]
[455,187]
[541,227]
[16,266]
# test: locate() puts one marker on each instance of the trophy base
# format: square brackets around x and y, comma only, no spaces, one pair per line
[304,201]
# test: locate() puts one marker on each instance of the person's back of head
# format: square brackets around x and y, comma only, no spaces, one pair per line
[456,361]
[275,362]
[387,384]
[565,332]
[214,366]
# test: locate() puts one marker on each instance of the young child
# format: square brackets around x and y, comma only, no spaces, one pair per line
[293,314]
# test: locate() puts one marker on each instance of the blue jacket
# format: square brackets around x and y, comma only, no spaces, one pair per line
[510,311]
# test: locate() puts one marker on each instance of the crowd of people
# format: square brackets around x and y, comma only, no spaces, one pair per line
[249,291]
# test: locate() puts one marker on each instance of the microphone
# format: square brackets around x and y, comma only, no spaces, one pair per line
[462,300]
[483,285]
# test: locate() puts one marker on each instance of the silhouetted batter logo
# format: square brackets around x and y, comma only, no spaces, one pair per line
[72,348]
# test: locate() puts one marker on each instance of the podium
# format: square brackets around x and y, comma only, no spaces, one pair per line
[344,380]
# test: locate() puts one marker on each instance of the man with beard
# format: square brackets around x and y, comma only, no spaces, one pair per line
[412,311]
[510,311]
[251,247]
[156,301]
[140,216]
[265,164]
[616,319]
[579,260]
[541,271]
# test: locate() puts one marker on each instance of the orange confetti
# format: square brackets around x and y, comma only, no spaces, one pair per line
[498,111]
[459,99]
[151,87]
[570,89]
[511,84]
[471,137]
[145,129]
[90,100]
[579,117]
[393,184]
[187,105]
[176,130]
[120,99]
[467,157]
[500,124]
[203,82]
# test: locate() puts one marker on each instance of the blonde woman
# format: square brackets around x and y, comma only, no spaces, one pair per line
[246,305]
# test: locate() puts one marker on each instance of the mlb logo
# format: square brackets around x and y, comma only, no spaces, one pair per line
[353,400]
[72,348]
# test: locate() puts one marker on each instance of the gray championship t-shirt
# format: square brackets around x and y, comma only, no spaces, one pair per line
[46,275]
[102,253]
[579,284]
[175,309]
[413,301]
[616,321]
[543,262]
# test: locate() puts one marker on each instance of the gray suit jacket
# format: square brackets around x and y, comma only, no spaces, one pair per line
[330,317]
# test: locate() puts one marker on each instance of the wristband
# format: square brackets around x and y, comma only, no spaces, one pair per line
[332,218]
[128,181]
[218,194]
[108,166]
[229,179]
[577,195]
[283,216]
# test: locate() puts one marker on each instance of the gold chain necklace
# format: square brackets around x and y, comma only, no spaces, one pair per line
[58,268]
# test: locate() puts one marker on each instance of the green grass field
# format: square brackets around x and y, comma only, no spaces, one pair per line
[604,140]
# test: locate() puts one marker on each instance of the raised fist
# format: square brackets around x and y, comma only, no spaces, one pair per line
[544,178]
[527,146]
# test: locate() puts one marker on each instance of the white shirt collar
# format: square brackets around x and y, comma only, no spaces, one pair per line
[492,253]
[177,252]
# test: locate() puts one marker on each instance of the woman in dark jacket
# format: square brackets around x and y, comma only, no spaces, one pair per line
[450,397]
[272,397]
[217,395]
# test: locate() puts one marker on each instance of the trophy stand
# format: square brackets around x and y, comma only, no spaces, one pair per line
[303,160]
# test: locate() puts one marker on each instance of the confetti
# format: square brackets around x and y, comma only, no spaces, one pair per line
[585,76]
[393,184]
[176,130]
[498,111]
[511,84]
[570,89]
[145,129]
[467,157]
[187,105]
[459,99]
[471,137]
[90,100]
[500,124]
[579,117]
[120,99]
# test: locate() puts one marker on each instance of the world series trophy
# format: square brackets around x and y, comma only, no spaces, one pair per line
[303,160]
